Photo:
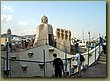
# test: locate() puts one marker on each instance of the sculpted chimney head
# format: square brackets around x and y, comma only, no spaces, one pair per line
[44,19]
[8,31]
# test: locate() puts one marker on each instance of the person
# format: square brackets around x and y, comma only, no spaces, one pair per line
[22,44]
[104,47]
[58,66]
[26,44]
[79,63]
[10,45]
[76,46]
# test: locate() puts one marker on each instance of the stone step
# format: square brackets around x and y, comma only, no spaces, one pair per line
[104,55]
[102,59]
[101,62]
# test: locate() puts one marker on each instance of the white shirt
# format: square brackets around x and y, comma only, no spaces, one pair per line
[78,58]
[104,43]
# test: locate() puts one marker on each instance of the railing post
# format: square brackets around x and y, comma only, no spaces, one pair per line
[99,44]
[7,73]
[4,60]
[88,47]
[70,67]
[65,62]
[65,57]
[95,52]
[44,61]
[10,68]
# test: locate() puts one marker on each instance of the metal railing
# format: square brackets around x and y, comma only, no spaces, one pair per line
[30,68]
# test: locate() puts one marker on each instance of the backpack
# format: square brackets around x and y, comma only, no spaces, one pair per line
[82,59]
[59,63]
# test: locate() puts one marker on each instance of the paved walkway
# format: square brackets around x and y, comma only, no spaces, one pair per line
[96,70]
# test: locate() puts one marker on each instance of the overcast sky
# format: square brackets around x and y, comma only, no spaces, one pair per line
[77,16]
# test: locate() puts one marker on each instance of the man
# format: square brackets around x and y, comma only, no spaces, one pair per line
[10,45]
[104,47]
[79,63]
[58,65]
[76,46]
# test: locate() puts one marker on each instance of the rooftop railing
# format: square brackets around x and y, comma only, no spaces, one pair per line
[34,68]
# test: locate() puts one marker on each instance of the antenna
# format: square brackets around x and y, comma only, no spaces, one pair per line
[83,35]
[43,11]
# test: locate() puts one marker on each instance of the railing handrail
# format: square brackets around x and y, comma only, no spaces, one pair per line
[69,59]
[86,53]
[32,60]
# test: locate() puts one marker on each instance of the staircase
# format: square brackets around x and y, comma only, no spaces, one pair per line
[97,70]
[102,59]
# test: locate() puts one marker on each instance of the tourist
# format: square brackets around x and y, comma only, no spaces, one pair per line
[22,44]
[32,41]
[79,63]
[58,66]
[10,45]
[76,46]
[104,47]
[26,44]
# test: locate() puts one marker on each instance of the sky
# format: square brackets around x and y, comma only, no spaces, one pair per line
[80,17]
